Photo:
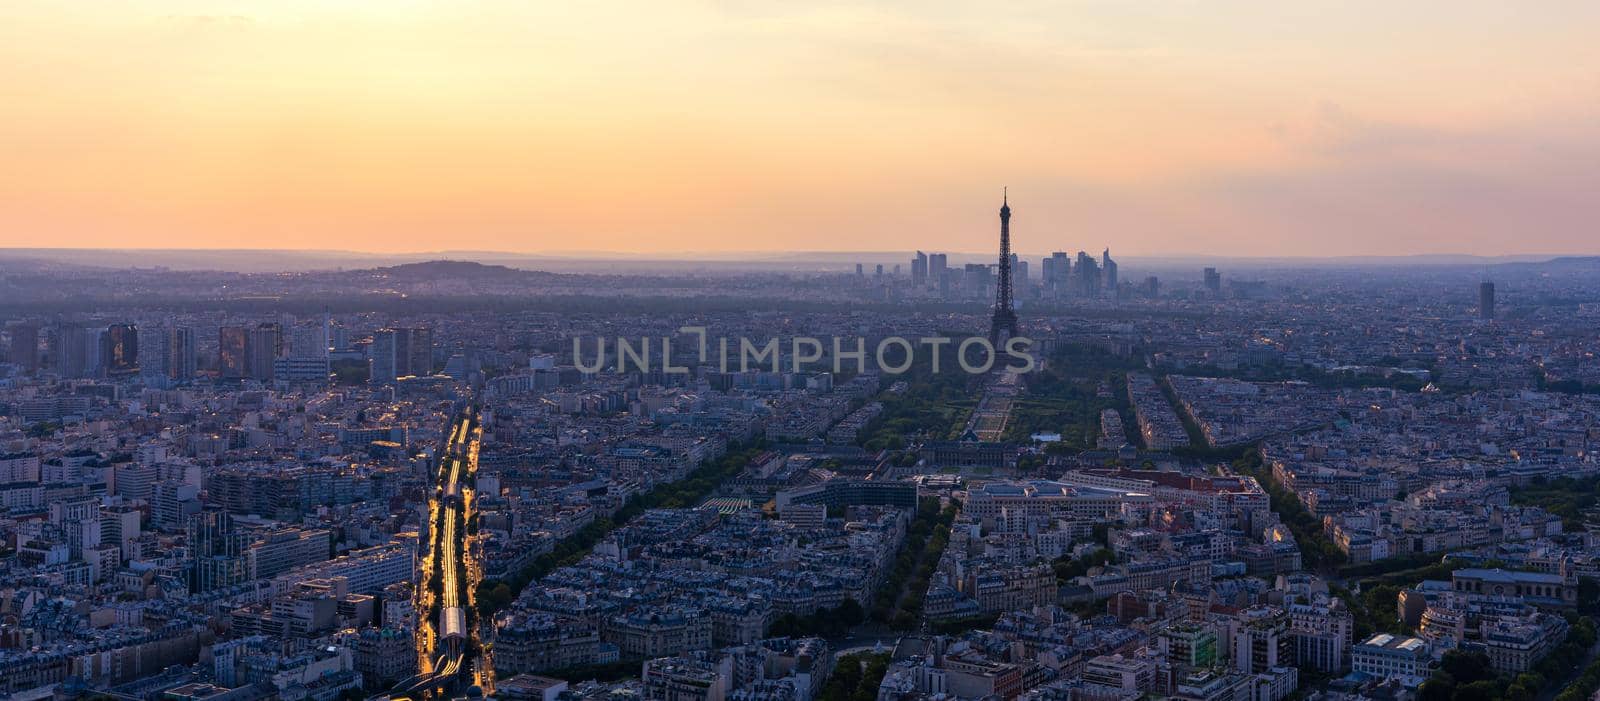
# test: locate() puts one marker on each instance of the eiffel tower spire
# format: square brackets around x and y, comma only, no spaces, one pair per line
[1005,317]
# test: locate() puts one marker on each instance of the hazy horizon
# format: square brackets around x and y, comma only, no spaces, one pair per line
[310,260]
[1160,129]
[447,254]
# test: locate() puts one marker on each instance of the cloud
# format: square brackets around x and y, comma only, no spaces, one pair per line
[1332,131]
[1363,185]
[212,21]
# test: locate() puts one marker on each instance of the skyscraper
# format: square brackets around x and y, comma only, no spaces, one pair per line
[1486,300]
[217,550]
[1060,272]
[309,341]
[1088,275]
[24,351]
[266,346]
[119,349]
[1005,316]
[400,352]
[937,263]
[419,358]
[331,331]
[1213,281]
[338,335]
[919,270]
[232,342]
[69,351]
[180,353]
[1109,268]
[975,279]
[382,351]
[153,355]
[94,364]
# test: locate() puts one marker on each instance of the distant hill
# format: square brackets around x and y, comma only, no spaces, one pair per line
[1563,264]
[465,269]
[1576,261]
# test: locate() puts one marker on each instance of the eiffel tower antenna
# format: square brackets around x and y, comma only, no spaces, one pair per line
[1005,316]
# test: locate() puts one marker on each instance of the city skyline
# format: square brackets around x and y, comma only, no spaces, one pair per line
[484,350]
[1065,478]
[1163,129]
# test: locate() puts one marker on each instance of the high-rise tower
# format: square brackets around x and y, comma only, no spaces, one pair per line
[180,353]
[25,346]
[1486,300]
[119,349]
[233,344]
[1005,317]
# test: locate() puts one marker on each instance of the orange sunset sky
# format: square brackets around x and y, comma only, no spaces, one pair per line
[1304,127]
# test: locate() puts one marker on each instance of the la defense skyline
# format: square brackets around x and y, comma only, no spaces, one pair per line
[1060,275]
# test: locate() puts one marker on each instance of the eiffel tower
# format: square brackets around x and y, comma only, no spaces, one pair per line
[1005,317]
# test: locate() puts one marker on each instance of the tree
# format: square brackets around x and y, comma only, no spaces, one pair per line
[787,625]
[851,613]
[903,620]
[1588,595]
[855,678]
[1439,688]
[1067,568]
[1466,667]
[494,599]
[1485,690]
[1532,681]
[1582,635]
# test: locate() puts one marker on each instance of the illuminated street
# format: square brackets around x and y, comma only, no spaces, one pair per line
[449,649]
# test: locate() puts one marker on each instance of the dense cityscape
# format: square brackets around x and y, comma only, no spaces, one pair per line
[441,480]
